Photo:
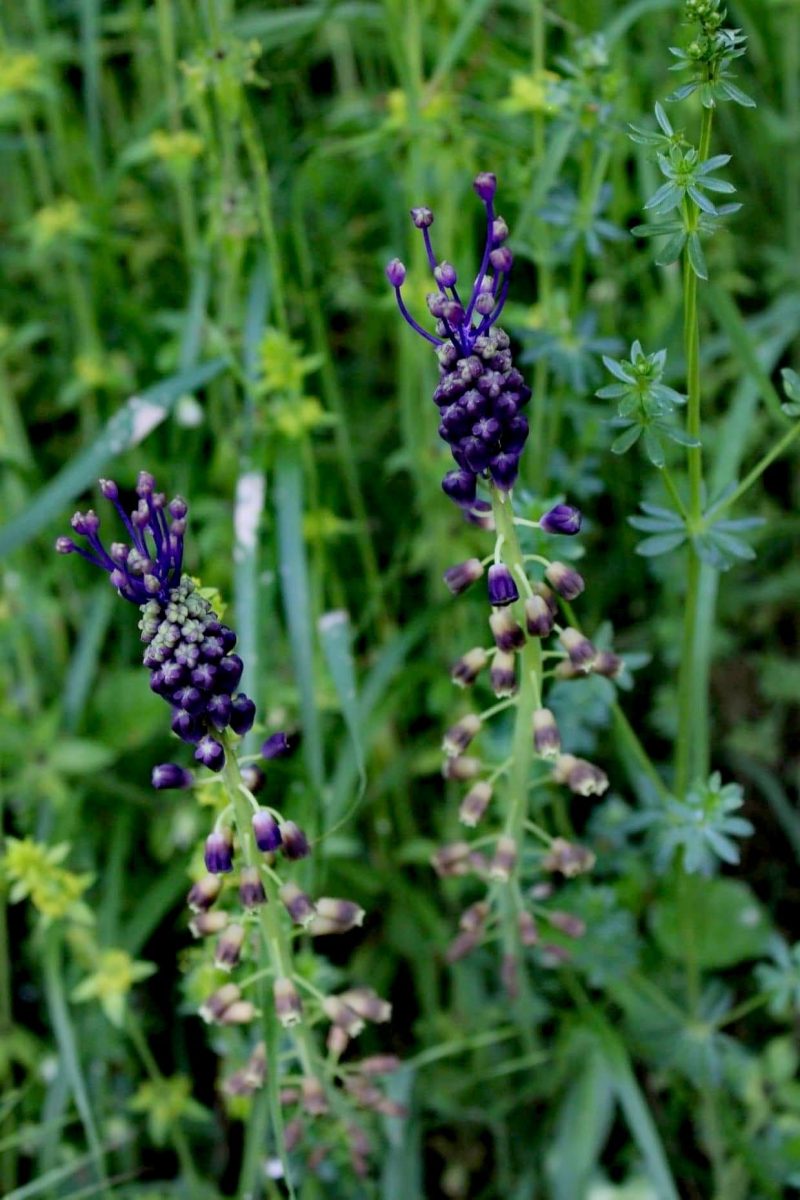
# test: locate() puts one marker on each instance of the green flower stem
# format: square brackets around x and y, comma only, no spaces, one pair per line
[276,943]
[8,1158]
[182,1150]
[522,750]
[68,1049]
[692,748]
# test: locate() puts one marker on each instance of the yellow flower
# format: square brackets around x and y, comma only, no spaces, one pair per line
[19,72]
[283,365]
[34,870]
[55,223]
[166,1102]
[532,93]
[178,149]
[111,982]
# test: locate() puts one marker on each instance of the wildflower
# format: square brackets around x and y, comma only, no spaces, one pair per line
[567,858]
[528,929]
[507,631]
[503,675]
[581,777]
[467,668]
[461,767]
[566,580]
[459,736]
[502,588]
[229,947]
[452,859]
[116,974]
[294,841]
[539,617]
[563,518]
[475,803]
[336,916]
[170,775]
[219,852]
[504,860]
[187,648]
[580,650]
[278,745]
[266,830]
[203,893]
[288,1008]
[480,393]
[299,906]
[251,889]
[207,923]
[546,738]
[461,576]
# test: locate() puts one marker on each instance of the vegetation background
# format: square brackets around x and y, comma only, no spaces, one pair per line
[198,202]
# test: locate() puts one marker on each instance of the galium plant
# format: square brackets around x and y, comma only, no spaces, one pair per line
[254,927]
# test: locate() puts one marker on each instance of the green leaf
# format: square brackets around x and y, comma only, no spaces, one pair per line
[697,259]
[661,543]
[653,448]
[627,439]
[296,592]
[582,1127]
[79,756]
[729,925]
[336,637]
[137,418]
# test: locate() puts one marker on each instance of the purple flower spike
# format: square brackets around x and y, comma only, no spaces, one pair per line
[170,775]
[396,273]
[480,392]
[501,585]
[266,831]
[210,753]
[219,852]
[563,518]
[278,745]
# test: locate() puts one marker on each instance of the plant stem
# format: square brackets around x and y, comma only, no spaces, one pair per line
[522,750]
[692,750]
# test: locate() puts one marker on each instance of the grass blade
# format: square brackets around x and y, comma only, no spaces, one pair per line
[137,418]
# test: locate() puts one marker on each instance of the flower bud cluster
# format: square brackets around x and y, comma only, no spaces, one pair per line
[480,394]
[524,614]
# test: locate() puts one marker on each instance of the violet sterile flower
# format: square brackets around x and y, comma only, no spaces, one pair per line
[187,648]
[480,393]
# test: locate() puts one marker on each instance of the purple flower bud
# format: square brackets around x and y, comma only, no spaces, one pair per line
[546,738]
[203,893]
[459,486]
[422,217]
[191,699]
[178,508]
[503,469]
[219,852]
[484,304]
[563,518]
[187,727]
[395,273]
[485,185]
[566,581]
[453,312]
[499,231]
[459,577]
[466,669]
[266,831]
[539,617]
[145,484]
[502,259]
[251,889]
[218,710]
[86,524]
[445,274]
[277,745]
[229,672]
[170,775]
[435,302]
[295,842]
[65,545]
[109,489]
[515,434]
[243,713]
[501,586]
[203,676]
[210,753]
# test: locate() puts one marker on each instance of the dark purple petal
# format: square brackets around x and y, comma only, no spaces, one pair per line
[563,518]
[170,775]
[501,586]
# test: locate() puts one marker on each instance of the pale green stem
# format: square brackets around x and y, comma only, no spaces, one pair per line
[180,1143]
[692,749]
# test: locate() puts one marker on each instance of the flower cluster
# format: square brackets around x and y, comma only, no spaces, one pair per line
[187,648]
[480,394]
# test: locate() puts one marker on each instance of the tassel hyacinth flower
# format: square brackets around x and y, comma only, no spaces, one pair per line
[481,396]
[246,924]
